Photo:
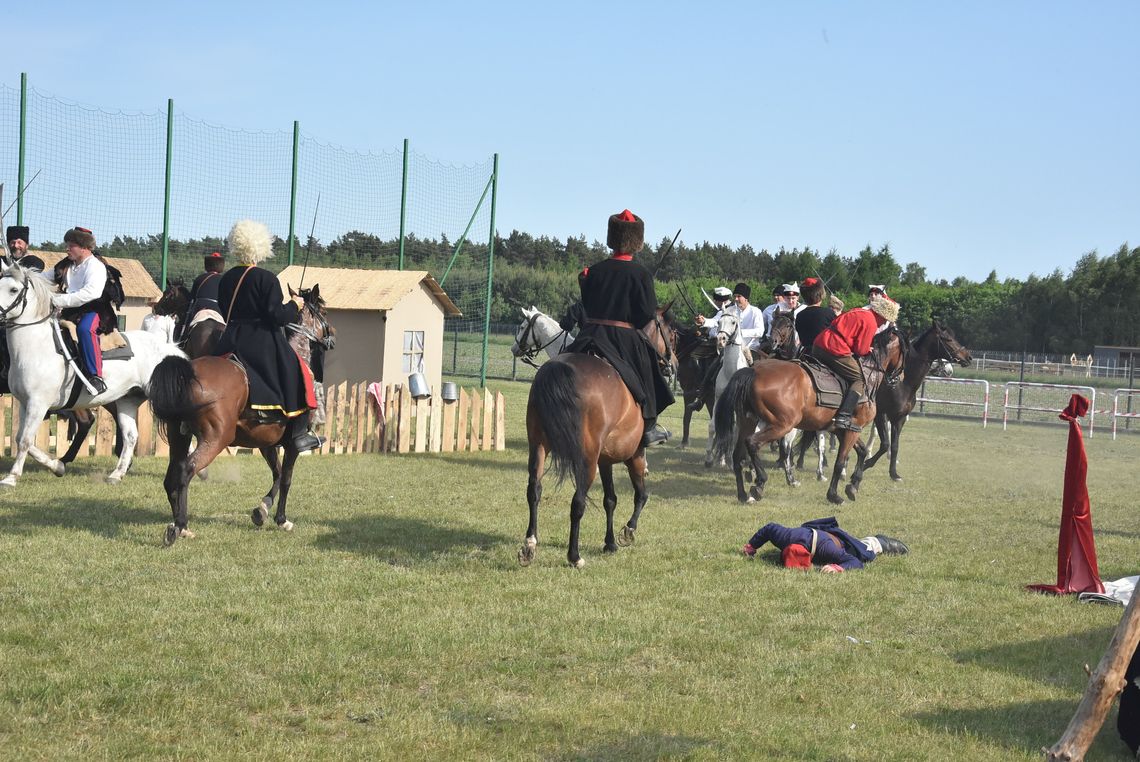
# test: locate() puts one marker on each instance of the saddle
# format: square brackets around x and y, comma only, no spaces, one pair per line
[829,388]
[113,345]
[251,414]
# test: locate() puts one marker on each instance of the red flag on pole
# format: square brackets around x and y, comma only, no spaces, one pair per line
[1076,549]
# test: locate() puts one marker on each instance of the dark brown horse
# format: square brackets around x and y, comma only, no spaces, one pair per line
[773,397]
[582,414]
[206,398]
[696,352]
[200,338]
[895,401]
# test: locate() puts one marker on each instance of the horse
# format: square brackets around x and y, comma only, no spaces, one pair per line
[695,353]
[536,333]
[895,401]
[201,336]
[311,345]
[773,397]
[733,358]
[581,413]
[206,398]
[43,380]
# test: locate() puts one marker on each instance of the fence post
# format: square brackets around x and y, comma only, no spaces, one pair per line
[490,270]
[293,188]
[404,204]
[23,146]
[166,198]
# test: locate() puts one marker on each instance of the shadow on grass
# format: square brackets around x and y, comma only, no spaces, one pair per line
[398,539]
[1054,660]
[99,517]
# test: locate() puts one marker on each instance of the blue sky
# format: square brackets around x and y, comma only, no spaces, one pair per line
[969,136]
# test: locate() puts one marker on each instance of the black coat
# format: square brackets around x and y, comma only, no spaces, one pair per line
[255,333]
[620,289]
[811,322]
[204,293]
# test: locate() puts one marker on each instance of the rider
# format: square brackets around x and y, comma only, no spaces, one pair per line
[17,238]
[619,299]
[722,298]
[252,301]
[813,318]
[84,300]
[875,289]
[849,337]
[752,320]
[204,291]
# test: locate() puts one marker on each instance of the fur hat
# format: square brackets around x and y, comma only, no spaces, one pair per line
[743,289]
[18,231]
[876,288]
[813,291]
[796,556]
[81,237]
[885,307]
[836,304]
[250,242]
[626,234]
[214,262]
[32,262]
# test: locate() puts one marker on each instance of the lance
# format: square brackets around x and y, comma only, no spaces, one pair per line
[666,254]
[19,193]
[309,248]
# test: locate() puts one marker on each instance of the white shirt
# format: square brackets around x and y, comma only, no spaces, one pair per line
[84,281]
[752,326]
[770,313]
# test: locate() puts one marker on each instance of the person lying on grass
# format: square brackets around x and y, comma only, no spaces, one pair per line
[822,542]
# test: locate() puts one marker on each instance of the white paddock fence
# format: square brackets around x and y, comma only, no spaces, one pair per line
[947,396]
[1047,399]
[1117,413]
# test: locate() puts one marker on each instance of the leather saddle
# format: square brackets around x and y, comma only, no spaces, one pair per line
[113,345]
[829,388]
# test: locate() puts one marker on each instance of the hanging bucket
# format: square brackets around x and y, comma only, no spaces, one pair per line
[449,391]
[418,386]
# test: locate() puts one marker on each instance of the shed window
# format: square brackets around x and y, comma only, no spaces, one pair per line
[413,351]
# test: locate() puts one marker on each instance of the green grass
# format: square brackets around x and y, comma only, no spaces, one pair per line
[395,622]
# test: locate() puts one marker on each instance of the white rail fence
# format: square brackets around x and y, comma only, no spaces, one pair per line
[1117,413]
[1048,399]
[954,393]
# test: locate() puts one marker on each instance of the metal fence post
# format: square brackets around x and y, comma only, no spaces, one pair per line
[490,270]
[293,188]
[23,145]
[404,205]
[166,200]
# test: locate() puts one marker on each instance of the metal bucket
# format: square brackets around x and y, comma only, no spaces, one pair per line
[418,386]
[449,391]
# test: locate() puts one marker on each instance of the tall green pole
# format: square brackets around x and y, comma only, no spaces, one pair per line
[490,272]
[23,143]
[166,200]
[293,188]
[403,203]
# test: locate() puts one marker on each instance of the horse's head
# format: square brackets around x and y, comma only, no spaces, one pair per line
[727,331]
[23,295]
[527,342]
[783,335]
[949,348]
[174,300]
[315,318]
[662,334]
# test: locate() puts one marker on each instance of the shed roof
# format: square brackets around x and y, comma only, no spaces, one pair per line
[136,280]
[348,289]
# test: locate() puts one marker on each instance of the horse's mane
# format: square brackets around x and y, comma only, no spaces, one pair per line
[36,285]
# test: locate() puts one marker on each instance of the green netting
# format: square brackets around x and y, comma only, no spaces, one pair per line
[107,171]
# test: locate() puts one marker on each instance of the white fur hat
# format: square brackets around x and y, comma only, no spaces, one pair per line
[250,242]
[885,307]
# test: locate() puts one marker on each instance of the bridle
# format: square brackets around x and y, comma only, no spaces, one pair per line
[527,353]
[20,301]
[734,335]
[665,359]
[325,338]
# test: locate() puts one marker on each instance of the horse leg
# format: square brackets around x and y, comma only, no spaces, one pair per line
[896,431]
[857,475]
[609,502]
[884,440]
[536,462]
[286,479]
[686,420]
[126,413]
[261,512]
[577,510]
[179,472]
[30,419]
[710,456]
[636,468]
[847,440]
[82,421]
[821,450]
[786,457]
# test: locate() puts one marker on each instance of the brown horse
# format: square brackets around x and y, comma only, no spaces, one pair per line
[773,397]
[206,398]
[199,339]
[582,414]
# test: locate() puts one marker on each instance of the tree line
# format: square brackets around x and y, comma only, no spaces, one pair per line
[1097,302]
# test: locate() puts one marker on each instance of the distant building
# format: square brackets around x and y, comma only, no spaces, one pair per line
[138,287]
[389,323]
[1119,357]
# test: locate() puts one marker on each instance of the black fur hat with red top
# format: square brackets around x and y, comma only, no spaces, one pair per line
[626,234]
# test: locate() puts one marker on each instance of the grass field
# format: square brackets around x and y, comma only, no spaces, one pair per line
[395,622]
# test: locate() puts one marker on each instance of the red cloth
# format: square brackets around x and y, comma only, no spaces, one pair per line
[796,556]
[1076,549]
[849,334]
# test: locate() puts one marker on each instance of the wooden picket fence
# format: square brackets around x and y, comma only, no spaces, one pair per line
[352,425]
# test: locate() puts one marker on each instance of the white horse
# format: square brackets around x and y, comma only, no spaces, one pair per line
[537,332]
[731,348]
[42,380]
[160,325]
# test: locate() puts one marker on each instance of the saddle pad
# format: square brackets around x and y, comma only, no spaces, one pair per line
[113,345]
[828,387]
[202,316]
[122,351]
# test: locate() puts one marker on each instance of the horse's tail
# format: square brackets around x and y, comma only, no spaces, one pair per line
[554,397]
[170,388]
[724,417]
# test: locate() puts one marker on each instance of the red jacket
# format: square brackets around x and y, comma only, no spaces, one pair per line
[850,333]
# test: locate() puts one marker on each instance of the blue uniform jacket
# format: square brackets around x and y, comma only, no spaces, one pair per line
[833,546]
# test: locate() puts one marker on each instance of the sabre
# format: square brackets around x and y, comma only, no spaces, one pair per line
[715,306]
[681,293]
[309,248]
[20,193]
[666,254]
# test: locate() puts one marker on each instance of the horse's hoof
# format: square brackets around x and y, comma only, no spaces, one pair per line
[112,479]
[170,537]
[834,498]
[896,478]
[750,500]
[579,563]
[526,554]
[708,464]
[793,482]
[8,481]
[259,515]
[610,548]
[851,491]
[820,477]
[60,468]
[626,537]
[286,526]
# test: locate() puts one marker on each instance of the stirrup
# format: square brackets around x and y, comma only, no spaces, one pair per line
[845,422]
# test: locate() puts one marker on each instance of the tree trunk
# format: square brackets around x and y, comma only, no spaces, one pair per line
[1105,685]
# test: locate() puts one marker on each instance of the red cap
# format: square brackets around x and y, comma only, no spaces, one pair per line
[628,216]
[796,557]
[215,255]
[810,281]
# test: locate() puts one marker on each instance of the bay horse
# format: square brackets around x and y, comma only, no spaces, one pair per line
[696,352]
[581,413]
[201,336]
[895,401]
[773,397]
[205,398]
[42,380]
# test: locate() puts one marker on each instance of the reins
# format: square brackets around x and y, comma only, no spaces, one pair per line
[530,353]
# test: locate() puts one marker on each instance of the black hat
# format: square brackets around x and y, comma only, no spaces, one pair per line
[81,237]
[626,234]
[18,231]
[214,262]
[743,289]
[32,262]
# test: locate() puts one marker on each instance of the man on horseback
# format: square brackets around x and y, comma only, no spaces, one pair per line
[255,311]
[85,301]
[204,291]
[814,318]
[619,300]
[17,238]
[847,338]
[752,320]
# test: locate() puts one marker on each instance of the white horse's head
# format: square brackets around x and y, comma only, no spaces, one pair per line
[727,330]
[23,294]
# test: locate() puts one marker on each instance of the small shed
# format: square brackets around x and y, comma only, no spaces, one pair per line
[138,287]
[389,323]
[1120,357]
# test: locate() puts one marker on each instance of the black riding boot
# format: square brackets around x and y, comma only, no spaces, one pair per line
[654,434]
[708,382]
[299,432]
[842,419]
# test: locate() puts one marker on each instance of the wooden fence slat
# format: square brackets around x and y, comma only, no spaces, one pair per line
[341,407]
[104,432]
[447,443]
[391,417]
[330,419]
[473,442]
[435,414]
[4,418]
[421,425]
[349,420]
[500,421]
[362,410]
[146,431]
[15,426]
[43,435]
[404,442]
[488,419]
[461,422]
[60,435]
